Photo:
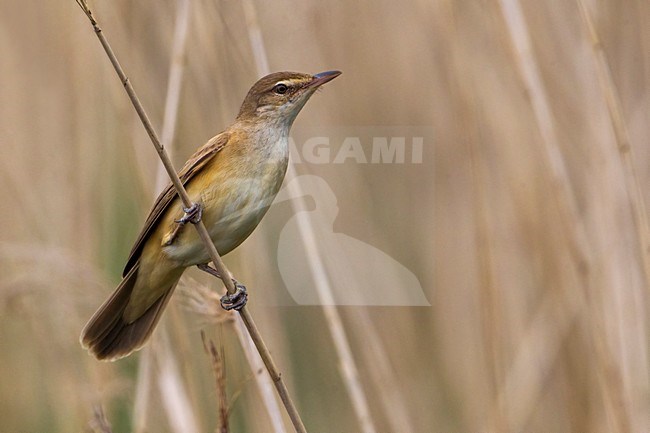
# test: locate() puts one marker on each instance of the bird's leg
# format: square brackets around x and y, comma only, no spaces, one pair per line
[237,300]
[192,214]
[209,269]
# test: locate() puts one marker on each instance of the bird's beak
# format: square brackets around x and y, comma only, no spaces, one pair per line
[322,78]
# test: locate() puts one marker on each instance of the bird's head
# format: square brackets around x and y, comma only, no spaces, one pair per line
[279,97]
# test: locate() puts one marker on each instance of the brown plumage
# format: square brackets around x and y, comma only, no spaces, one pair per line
[235,177]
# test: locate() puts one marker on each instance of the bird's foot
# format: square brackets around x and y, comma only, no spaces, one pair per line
[192,214]
[237,300]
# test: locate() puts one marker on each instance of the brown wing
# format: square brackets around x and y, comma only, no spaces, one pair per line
[191,167]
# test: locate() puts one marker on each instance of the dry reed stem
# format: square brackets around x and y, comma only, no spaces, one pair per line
[142,391]
[273,370]
[177,404]
[264,385]
[226,277]
[540,346]
[218,362]
[319,273]
[625,151]
[626,154]
[174,85]
[201,300]
[179,409]
[378,365]
[572,226]
[489,293]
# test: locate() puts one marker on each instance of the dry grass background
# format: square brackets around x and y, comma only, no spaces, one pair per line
[525,222]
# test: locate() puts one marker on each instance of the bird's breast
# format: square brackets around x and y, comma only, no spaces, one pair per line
[235,194]
[242,202]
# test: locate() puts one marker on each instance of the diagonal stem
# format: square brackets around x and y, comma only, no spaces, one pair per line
[200,227]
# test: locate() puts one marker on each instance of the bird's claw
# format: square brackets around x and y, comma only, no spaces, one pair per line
[192,214]
[237,300]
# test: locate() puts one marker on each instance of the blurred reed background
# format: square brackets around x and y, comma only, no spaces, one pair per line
[525,223]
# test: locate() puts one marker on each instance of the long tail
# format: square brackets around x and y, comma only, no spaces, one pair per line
[108,336]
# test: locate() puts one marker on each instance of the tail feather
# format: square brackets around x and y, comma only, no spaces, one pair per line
[108,336]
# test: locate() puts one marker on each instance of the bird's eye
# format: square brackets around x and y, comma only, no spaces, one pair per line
[280,89]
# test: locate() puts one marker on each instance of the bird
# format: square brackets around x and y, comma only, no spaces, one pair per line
[231,181]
